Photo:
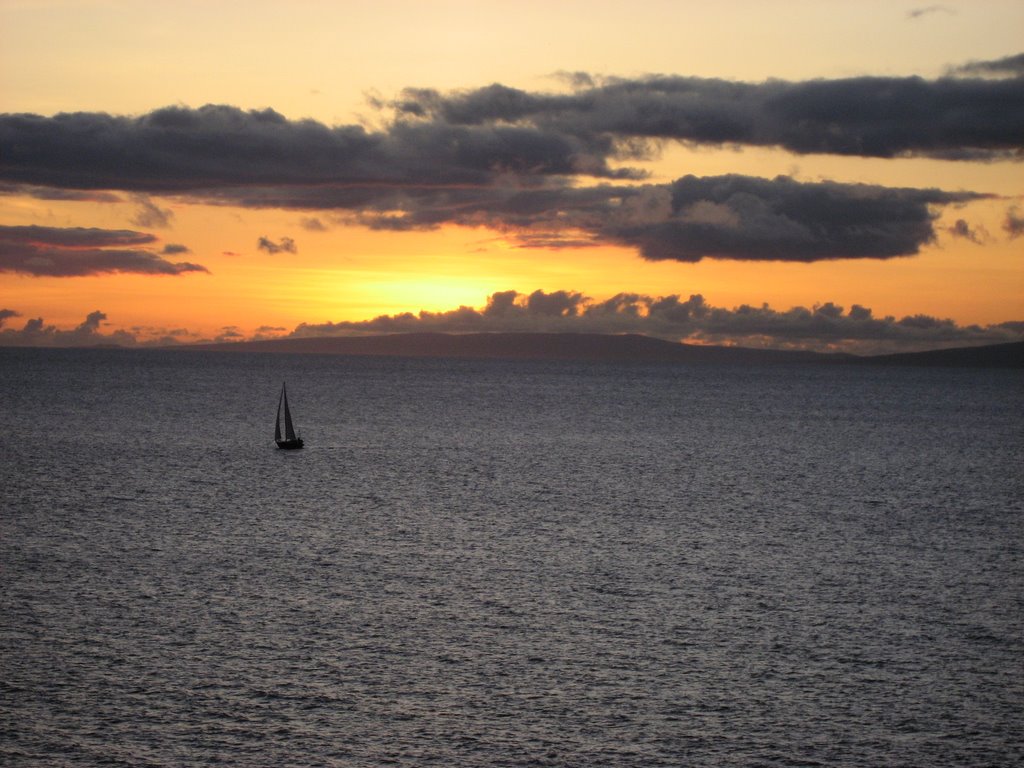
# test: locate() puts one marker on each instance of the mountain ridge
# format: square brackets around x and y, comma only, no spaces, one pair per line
[604,347]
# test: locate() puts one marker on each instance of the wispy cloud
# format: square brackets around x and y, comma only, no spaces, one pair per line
[930,10]
[1013,224]
[975,234]
[313,224]
[149,214]
[1012,66]
[80,251]
[60,194]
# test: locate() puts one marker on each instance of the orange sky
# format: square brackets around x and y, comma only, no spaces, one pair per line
[321,60]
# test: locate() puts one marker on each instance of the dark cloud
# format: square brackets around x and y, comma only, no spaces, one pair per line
[176,149]
[512,160]
[285,245]
[825,326]
[174,249]
[475,137]
[1014,222]
[6,314]
[732,216]
[742,217]
[149,214]
[951,118]
[78,251]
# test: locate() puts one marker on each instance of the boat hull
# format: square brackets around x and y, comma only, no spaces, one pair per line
[289,445]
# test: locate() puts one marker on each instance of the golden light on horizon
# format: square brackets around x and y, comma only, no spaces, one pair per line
[306,254]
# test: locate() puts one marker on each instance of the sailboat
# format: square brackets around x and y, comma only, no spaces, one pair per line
[291,440]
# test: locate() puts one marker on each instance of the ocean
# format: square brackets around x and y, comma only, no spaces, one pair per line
[488,563]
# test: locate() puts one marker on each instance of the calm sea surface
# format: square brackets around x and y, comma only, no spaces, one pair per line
[508,564]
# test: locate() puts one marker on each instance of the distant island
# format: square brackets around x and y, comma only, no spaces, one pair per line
[603,347]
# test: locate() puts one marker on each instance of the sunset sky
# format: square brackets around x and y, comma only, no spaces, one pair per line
[807,173]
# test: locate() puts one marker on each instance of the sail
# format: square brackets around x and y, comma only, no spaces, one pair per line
[277,421]
[291,440]
[289,430]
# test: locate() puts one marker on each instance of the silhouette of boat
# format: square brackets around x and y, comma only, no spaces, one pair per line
[291,440]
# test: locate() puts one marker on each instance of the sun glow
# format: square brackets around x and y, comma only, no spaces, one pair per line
[440,223]
[426,293]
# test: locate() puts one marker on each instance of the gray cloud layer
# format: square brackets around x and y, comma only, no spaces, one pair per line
[469,137]
[80,251]
[512,160]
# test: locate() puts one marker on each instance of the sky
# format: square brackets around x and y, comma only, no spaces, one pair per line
[822,174]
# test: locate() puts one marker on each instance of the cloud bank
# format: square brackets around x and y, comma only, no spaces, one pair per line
[553,169]
[822,327]
[36,333]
